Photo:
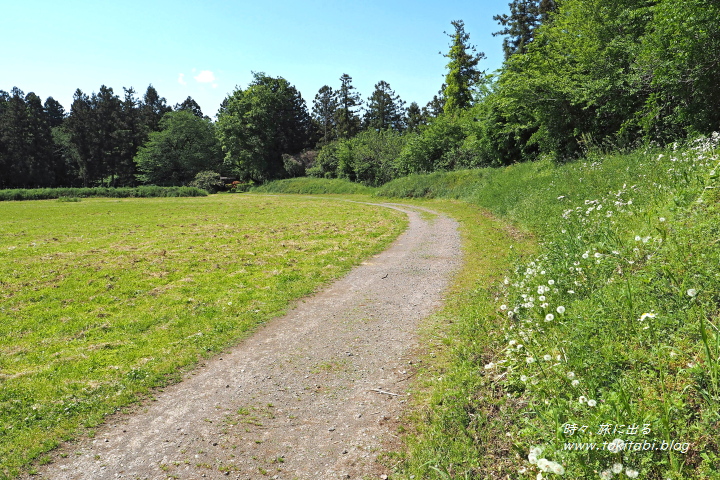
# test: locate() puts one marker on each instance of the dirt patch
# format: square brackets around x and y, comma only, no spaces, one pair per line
[314,394]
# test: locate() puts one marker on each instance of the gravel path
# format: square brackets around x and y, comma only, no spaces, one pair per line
[314,394]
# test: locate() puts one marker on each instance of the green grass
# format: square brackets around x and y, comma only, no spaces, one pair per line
[609,331]
[103,300]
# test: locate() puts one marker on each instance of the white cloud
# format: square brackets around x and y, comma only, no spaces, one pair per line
[181,79]
[205,76]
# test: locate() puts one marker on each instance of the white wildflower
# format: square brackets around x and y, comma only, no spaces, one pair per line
[631,473]
[691,292]
[646,315]
[549,317]
[616,445]
[560,309]
[591,403]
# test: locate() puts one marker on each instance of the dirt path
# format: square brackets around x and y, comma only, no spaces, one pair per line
[313,394]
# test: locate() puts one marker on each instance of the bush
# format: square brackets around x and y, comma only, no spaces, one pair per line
[77,193]
[208,180]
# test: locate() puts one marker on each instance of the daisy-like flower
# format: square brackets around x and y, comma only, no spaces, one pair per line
[646,315]
[489,366]
[551,282]
[582,399]
[691,292]
[575,383]
[503,307]
[571,375]
[631,473]
[592,403]
[617,468]
[606,475]
[549,317]
[530,360]
[547,358]
[560,309]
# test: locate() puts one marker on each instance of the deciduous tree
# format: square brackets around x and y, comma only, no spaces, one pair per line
[259,124]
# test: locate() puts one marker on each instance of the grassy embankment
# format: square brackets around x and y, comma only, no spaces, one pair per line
[103,300]
[606,335]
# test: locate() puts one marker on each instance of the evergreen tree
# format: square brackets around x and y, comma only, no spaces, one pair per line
[414,117]
[323,114]
[436,106]
[463,74]
[55,112]
[191,106]
[385,109]
[525,16]
[79,128]
[347,120]
[153,108]
[26,146]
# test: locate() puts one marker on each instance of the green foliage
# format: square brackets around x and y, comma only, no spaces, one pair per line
[184,145]
[525,17]
[314,186]
[258,125]
[368,158]
[323,115]
[385,110]
[680,55]
[463,75]
[208,180]
[446,143]
[108,192]
[347,101]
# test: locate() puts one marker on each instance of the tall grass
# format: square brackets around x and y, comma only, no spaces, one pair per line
[607,336]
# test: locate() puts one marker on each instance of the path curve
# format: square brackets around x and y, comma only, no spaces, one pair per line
[312,394]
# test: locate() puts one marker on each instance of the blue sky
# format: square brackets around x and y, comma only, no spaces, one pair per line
[205,49]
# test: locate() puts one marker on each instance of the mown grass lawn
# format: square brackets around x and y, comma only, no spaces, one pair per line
[103,299]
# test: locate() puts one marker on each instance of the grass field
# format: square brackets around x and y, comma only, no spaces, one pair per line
[103,299]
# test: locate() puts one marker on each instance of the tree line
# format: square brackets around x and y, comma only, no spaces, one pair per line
[578,75]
